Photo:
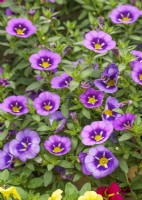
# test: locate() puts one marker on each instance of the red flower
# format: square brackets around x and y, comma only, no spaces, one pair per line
[110,193]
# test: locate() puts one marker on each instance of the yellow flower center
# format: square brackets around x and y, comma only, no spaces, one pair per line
[125,19]
[103,161]
[20,31]
[47,107]
[110,83]
[98,137]
[92,100]
[98,46]
[15,109]
[108,112]
[57,149]
[45,64]
[140,77]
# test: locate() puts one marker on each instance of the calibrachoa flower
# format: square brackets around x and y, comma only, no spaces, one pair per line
[11,191]
[99,42]
[110,193]
[62,81]
[82,160]
[47,103]
[96,133]
[57,116]
[124,122]
[6,159]
[56,195]
[26,145]
[100,161]
[124,14]
[109,78]
[20,27]
[57,145]
[109,114]
[138,55]
[92,98]
[136,73]
[90,195]
[15,105]
[45,60]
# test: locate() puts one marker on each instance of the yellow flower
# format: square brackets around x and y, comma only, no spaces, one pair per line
[90,195]
[56,195]
[10,192]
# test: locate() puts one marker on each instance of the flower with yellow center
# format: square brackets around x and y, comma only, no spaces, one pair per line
[98,46]
[92,100]
[7,193]
[90,195]
[56,195]
[140,77]
[110,83]
[108,112]
[45,64]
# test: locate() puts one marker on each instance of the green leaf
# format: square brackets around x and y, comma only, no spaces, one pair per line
[125,136]
[65,110]
[4,175]
[86,187]
[44,128]
[3,134]
[71,191]
[35,183]
[36,117]
[47,178]
[137,183]
[73,85]
[23,194]
[123,165]
[86,113]
[33,86]
[44,197]
[64,163]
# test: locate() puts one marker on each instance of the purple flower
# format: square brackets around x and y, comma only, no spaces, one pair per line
[9,12]
[52,1]
[62,81]
[138,55]
[1,70]
[96,133]
[82,159]
[32,11]
[109,78]
[136,73]
[20,27]
[124,122]
[57,116]
[92,98]
[45,60]
[6,159]
[4,81]
[26,145]
[124,14]
[15,105]
[109,114]
[85,85]
[99,42]
[38,77]
[47,103]
[80,60]
[100,161]
[57,145]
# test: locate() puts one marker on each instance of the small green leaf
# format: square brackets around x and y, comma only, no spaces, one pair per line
[86,187]
[44,128]
[86,113]
[73,85]
[123,165]
[35,183]
[47,178]
[125,136]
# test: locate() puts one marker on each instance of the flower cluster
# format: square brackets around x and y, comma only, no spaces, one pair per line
[70,98]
